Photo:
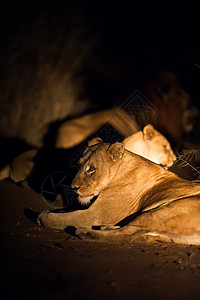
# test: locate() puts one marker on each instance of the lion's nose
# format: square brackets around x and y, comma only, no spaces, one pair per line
[174,157]
[76,188]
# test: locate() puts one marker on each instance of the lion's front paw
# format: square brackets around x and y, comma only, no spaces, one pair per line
[52,220]
[109,227]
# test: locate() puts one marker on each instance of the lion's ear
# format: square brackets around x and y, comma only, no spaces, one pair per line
[91,143]
[148,132]
[95,141]
[116,151]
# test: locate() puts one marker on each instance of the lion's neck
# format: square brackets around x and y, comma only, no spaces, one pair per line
[136,171]
[135,143]
[134,177]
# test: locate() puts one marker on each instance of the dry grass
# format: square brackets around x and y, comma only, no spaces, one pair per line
[190,157]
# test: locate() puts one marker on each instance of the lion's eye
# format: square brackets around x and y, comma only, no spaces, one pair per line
[91,169]
[165,147]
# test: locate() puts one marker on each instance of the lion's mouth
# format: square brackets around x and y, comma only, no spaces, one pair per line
[167,165]
[164,166]
[85,199]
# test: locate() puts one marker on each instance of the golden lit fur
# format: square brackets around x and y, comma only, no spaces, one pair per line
[148,143]
[158,203]
[152,145]
[171,112]
[74,131]
[20,168]
[176,114]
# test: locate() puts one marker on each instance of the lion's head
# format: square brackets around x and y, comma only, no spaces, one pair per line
[176,115]
[99,165]
[151,144]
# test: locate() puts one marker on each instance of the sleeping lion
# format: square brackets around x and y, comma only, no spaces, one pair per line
[149,143]
[132,191]
[152,145]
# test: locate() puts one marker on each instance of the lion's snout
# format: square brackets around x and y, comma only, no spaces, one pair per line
[75,184]
[79,188]
[83,190]
[76,188]
[170,163]
[84,193]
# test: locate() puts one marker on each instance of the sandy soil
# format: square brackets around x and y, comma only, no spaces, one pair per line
[39,263]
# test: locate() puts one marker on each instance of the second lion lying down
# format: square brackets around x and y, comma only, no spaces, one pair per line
[148,142]
[157,202]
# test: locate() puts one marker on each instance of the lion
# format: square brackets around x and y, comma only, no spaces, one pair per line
[130,189]
[164,104]
[73,132]
[176,115]
[20,167]
[152,145]
[148,143]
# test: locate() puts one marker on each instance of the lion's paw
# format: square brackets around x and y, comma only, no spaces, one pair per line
[110,227]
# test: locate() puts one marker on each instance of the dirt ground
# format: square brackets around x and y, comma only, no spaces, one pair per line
[39,263]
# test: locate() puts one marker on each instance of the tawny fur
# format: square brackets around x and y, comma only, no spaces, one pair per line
[166,98]
[167,206]
[152,145]
[148,143]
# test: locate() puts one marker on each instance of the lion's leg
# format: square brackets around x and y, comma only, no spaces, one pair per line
[5,172]
[101,212]
[111,233]
[95,215]
[128,233]
[131,233]
[62,220]
[73,132]
[20,167]
[177,222]
[125,234]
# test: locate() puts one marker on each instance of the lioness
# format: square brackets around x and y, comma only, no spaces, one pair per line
[176,113]
[74,131]
[171,112]
[151,144]
[161,203]
[148,143]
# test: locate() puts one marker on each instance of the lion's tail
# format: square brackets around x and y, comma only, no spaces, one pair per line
[5,172]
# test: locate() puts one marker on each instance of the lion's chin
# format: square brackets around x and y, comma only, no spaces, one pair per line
[85,200]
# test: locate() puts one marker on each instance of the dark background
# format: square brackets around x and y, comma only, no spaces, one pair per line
[131,40]
[128,42]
